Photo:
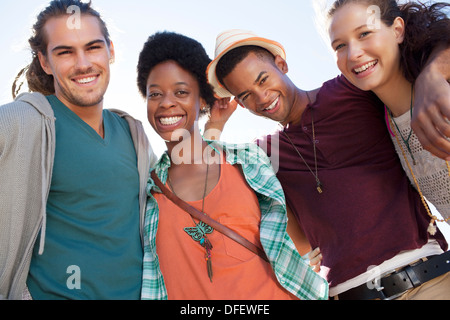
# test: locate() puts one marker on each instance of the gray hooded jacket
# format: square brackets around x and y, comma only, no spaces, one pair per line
[27,149]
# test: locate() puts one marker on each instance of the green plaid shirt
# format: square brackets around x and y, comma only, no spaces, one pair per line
[292,272]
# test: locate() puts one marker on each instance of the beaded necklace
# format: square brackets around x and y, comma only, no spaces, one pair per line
[431,228]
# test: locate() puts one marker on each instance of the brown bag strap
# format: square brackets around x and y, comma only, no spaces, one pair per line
[206,219]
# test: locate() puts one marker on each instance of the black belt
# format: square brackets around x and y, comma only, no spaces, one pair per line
[397,283]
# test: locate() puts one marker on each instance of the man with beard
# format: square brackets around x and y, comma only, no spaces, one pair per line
[72,174]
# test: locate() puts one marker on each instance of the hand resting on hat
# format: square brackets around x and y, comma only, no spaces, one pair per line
[221,111]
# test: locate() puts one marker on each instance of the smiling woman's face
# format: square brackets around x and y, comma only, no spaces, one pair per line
[367,50]
[173,99]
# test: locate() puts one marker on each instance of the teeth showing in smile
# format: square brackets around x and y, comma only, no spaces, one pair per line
[85,80]
[365,67]
[272,105]
[170,120]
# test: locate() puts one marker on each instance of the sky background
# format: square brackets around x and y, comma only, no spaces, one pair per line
[293,23]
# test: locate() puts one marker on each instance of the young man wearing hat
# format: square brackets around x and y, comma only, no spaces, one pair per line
[340,173]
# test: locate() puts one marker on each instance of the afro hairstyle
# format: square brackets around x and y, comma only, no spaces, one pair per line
[187,52]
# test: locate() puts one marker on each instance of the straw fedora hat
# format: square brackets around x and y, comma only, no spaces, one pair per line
[231,39]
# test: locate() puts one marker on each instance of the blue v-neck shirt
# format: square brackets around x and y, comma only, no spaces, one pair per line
[93,247]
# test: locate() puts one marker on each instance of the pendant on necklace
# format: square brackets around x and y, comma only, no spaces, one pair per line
[198,234]
[319,187]
[208,246]
[431,227]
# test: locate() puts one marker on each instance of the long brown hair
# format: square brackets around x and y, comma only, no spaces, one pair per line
[37,79]
[426,27]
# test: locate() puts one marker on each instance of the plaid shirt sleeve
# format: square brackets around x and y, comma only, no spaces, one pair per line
[153,287]
[292,272]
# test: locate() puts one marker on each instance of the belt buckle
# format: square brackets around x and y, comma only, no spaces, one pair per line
[375,284]
[406,278]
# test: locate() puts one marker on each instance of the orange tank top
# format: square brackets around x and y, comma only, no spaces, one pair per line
[238,273]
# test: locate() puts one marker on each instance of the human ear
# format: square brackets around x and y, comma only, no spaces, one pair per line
[112,52]
[203,104]
[398,27]
[44,63]
[281,64]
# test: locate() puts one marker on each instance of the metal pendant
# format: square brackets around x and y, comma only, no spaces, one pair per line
[319,187]
[199,231]
[198,234]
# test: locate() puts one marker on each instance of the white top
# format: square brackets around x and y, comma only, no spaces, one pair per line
[430,171]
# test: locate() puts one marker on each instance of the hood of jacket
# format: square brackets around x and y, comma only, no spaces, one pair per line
[38,101]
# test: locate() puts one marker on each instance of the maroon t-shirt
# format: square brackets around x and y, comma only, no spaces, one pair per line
[368,211]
